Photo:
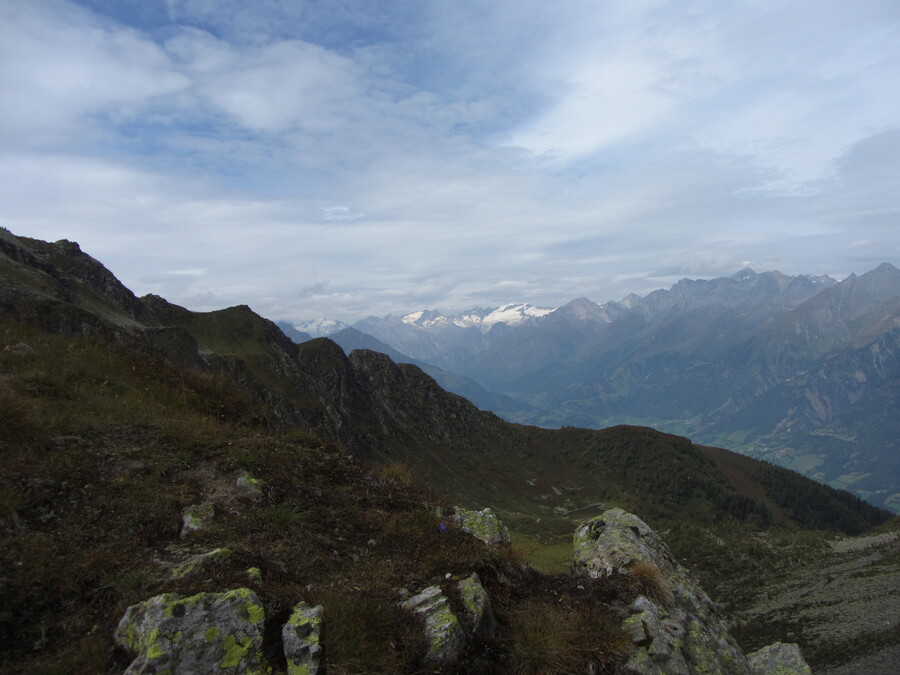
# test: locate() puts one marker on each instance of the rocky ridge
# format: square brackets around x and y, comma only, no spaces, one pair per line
[674,626]
[801,370]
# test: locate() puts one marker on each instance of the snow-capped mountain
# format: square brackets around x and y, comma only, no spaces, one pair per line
[447,340]
[320,327]
[483,319]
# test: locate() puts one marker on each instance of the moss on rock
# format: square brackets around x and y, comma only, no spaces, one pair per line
[301,636]
[196,517]
[445,635]
[195,563]
[477,604]
[484,525]
[201,633]
[249,485]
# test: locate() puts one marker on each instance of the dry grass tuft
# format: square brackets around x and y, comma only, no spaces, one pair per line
[551,636]
[647,579]
[397,473]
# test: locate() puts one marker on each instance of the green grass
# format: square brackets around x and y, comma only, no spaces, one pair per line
[549,558]
[79,385]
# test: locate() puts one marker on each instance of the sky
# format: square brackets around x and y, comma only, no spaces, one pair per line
[347,158]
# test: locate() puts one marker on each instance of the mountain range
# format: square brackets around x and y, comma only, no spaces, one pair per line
[799,370]
[120,412]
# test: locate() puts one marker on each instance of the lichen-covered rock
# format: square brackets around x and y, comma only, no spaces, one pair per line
[196,517]
[249,486]
[614,540]
[684,633]
[477,604]
[301,636]
[18,349]
[484,525]
[197,563]
[446,639]
[779,659]
[203,633]
[254,574]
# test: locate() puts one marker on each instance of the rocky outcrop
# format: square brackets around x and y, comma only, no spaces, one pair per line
[484,525]
[198,562]
[196,517]
[674,625]
[301,636]
[446,639]
[479,614]
[203,633]
[780,659]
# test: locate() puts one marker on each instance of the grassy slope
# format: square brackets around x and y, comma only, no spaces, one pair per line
[102,448]
[722,514]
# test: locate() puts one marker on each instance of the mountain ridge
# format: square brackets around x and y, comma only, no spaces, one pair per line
[363,400]
[707,358]
[148,361]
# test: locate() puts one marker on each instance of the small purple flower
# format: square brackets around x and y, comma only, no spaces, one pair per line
[442,527]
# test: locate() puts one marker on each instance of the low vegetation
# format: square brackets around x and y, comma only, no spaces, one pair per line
[105,442]
[105,449]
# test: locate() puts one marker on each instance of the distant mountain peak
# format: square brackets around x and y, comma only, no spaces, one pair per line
[319,327]
[512,314]
[412,317]
[885,268]
[484,319]
[744,274]
[583,309]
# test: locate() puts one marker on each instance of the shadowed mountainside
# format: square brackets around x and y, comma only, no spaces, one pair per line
[542,480]
[386,411]
[803,371]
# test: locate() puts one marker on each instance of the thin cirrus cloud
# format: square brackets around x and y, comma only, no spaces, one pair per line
[349,158]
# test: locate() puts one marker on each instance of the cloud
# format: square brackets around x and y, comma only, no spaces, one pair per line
[271,87]
[197,272]
[339,213]
[348,158]
[59,64]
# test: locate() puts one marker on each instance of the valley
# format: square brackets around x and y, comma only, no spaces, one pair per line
[121,412]
[801,371]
